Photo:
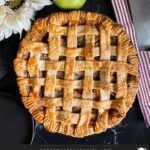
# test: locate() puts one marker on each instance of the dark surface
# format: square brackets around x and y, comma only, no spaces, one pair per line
[132,130]
[141,20]
[16,123]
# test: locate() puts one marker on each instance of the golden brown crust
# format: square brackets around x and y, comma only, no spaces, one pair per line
[77,112]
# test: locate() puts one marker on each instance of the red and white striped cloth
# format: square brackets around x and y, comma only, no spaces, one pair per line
[121,9]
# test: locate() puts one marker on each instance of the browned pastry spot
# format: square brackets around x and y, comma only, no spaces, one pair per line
[114,113]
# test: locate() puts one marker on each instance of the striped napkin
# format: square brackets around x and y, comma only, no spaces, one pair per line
[121,9]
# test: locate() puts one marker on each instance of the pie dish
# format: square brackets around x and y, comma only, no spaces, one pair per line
[77,73]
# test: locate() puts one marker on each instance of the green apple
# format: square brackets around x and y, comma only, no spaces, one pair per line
[69,4]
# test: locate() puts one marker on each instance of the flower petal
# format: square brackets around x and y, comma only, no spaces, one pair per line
[2,10]
[44,2]
[2,2]
[11,22]
[38,4]
[28,12]
[8,10]
[14,21]
[24,22]
[1,36]
[7,32]
[2,19]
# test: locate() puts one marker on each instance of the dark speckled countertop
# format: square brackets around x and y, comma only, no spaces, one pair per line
[131,130]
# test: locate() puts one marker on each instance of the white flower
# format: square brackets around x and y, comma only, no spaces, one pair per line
[2,2]
[15,20]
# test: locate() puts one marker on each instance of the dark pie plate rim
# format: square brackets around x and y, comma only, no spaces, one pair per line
[17,103]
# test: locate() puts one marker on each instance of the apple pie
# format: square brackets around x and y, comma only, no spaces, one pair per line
[77,73]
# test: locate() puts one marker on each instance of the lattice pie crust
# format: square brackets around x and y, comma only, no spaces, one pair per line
[77,73]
